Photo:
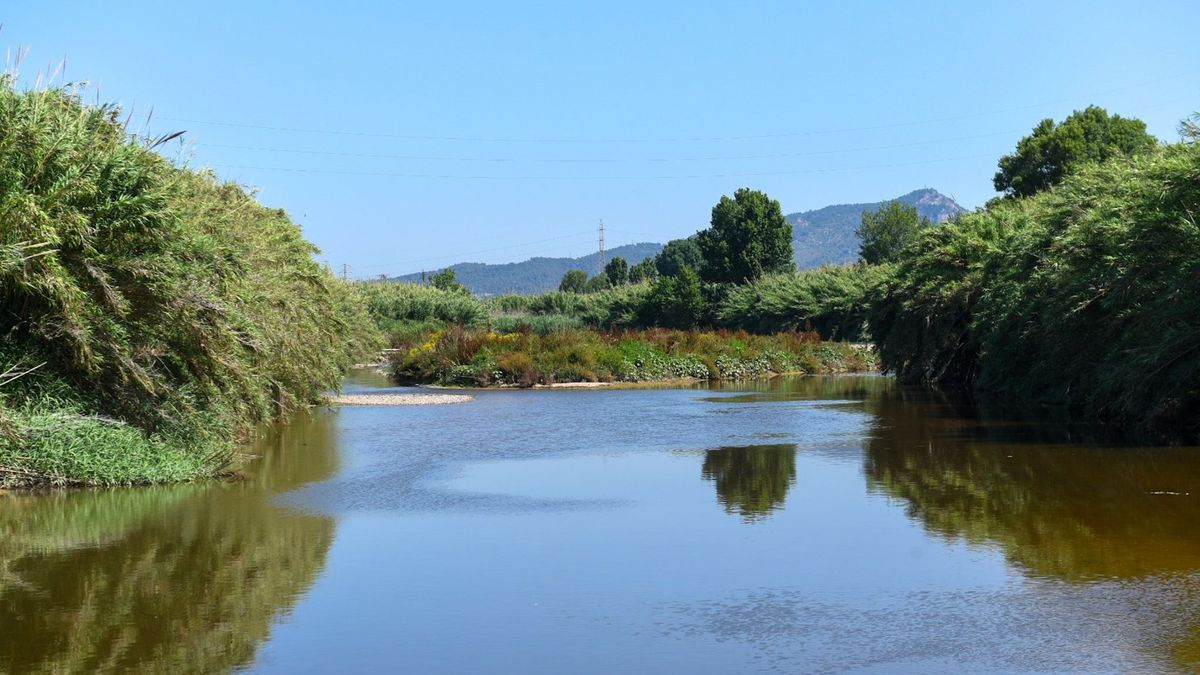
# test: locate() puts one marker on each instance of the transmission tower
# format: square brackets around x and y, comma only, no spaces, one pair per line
[602,261]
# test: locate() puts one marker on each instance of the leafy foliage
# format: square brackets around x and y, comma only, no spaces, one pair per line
[834,301]
[1052,151]
[748,238]
[617,271]
[574,281]
[643,271]
[446,280]
[597,283]
[674,301]
[524,357]
[155,296]
[1083,295]
[677,255]
[392,305]
[884,233]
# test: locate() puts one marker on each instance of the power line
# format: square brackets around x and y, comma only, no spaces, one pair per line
[385,174]
[475,252]
[689,139]
[609,160]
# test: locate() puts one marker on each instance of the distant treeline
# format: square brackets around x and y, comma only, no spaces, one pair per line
[148,313]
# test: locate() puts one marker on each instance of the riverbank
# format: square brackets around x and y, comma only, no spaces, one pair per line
[154,315]
[459,356]
[400,399]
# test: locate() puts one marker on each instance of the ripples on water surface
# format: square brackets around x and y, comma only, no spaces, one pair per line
[802,525]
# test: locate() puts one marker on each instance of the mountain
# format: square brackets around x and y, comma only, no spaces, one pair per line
[826,236]
[536,274]
[819,237]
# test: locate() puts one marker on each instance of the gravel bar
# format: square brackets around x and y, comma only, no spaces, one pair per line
[400,399]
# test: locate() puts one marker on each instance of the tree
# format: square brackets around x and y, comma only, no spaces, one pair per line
[574,281]
[597,283]
[643,271]
[749,237]
[676,255]
[1054,150]
[446,281]
[617,271]
[674,302]
[884,233]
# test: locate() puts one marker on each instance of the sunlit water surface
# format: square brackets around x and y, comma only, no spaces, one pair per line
[802,525]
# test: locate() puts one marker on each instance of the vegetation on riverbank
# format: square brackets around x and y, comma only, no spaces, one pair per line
[745,313]
[1083,294]
[832,301]
[150,312]
[483,357]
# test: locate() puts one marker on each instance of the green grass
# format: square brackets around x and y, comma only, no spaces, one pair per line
[57,445]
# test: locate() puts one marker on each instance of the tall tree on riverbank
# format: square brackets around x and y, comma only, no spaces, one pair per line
[617,271]
[884,233]
[1052,151]
[677,255]
[574,281]
[749,237]
[643,271]
[675,302]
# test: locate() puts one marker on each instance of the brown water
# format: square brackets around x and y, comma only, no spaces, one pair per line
[802,525]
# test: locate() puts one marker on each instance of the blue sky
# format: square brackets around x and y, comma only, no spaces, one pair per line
[408,136]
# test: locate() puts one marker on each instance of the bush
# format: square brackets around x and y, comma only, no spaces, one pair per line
[832,300]
[395,307]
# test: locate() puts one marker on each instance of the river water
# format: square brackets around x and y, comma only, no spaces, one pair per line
[801,525]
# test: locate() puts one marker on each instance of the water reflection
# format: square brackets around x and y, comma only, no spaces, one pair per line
[1075,512]
[751,480]
[179,579]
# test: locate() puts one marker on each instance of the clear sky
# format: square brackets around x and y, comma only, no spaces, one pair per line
[407,136]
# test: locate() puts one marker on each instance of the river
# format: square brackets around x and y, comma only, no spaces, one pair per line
[839,524]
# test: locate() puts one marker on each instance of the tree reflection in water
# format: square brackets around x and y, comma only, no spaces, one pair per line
[1061,502]
[751,480]
[171,579]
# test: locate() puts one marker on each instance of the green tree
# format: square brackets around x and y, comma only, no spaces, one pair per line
[674,302]
[643,271]
[574,281]
[883,234]
[1054,150]
[597,283]
[446,280]
[678,254]
[617,271]
[749,237]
